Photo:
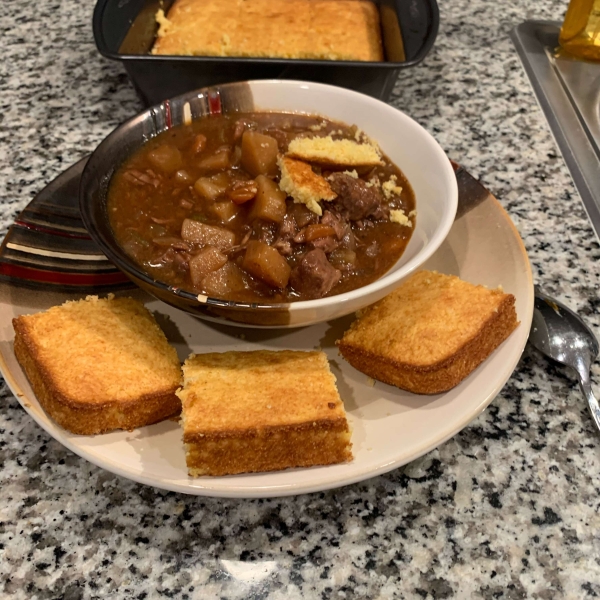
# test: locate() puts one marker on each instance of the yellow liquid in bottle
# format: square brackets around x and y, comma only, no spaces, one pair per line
[580,33]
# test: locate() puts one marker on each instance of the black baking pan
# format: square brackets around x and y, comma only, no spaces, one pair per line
[126,30]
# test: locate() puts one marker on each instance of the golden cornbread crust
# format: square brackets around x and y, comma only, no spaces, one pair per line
[99,364]
[258,411]
[300,182]
[430,333]
[328,152]
[301,29]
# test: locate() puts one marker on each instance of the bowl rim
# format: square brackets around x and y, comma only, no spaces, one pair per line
[414,263]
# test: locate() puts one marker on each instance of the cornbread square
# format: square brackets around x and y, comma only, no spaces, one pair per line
[302,29]
[429,333]
[96,365]
[261,411]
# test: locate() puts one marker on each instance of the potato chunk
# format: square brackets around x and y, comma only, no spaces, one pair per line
[265,262]
[259,153]
[207,235]
[216,162]
[224,281]
[208,189]
[207,260]
[269,203]
[166,158]
[224,210]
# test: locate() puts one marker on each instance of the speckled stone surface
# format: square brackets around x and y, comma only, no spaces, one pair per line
[509,508]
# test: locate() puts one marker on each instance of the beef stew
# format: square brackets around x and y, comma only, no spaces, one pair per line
[201,207]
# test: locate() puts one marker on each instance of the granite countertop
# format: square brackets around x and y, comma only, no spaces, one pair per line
[508,508]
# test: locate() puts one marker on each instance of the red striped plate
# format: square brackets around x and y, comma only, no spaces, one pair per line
[48,247]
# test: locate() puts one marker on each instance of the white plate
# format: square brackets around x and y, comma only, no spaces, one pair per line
[390,427]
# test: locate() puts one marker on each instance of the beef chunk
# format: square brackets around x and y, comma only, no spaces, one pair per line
[349,241]
[341,225]
[314,277]
[381,212]
[336,222]
[140,178]
[327,244]
[284,247]
[263,231]
[354,196]
[287,231]
[287,228]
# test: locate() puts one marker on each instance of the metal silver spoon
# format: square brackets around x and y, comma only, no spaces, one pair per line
[560,334]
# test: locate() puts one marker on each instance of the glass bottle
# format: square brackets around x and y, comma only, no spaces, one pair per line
[580,33]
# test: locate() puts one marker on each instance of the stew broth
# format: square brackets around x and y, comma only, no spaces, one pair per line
[199,207]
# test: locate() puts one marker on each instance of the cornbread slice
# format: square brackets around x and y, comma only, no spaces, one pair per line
[429,333]
[300,182]
[99,364]
[307,29]
[334,153]
[261,411]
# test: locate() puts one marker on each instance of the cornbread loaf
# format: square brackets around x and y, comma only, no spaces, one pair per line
[96,365]
[306,29]
[429,333]
[261,411]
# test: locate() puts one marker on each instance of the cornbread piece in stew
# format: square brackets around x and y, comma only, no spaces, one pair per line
[217,207]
